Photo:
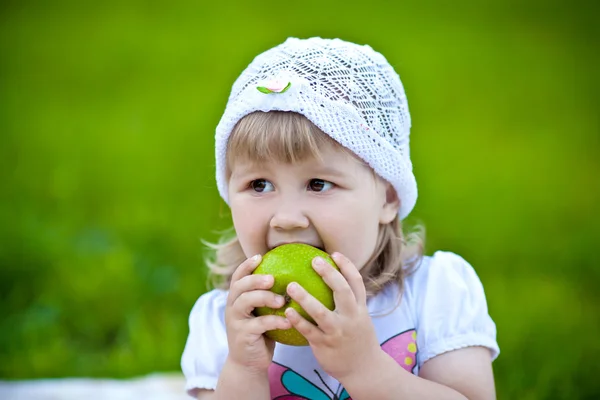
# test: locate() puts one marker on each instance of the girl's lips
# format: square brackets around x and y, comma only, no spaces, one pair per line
[322,248]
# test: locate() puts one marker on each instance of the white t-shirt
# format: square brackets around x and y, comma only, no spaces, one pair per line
[443,308]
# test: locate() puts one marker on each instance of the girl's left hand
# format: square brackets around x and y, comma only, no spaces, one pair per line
[343,340]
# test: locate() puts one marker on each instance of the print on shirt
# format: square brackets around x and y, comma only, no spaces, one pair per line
[403,349]
[287,384]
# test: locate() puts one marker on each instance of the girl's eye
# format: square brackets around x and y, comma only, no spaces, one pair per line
[319,185]
[261,185]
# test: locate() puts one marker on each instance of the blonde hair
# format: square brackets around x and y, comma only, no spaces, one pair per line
[289,137]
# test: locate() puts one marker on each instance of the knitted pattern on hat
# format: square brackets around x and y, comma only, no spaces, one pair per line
[349,91]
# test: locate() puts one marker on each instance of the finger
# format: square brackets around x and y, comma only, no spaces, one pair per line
[246,267]
[322,316]
[248,283]
[248,301]
[352,276]
[345,300]
[259,325]
[311,332]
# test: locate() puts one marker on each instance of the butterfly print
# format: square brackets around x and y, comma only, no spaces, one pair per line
[287,384]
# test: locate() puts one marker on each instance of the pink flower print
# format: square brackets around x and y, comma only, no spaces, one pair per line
[274,86]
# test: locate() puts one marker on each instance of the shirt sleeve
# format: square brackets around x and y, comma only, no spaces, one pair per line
[451,308]
[206,347]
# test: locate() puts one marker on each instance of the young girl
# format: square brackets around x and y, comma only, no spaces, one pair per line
[313,147]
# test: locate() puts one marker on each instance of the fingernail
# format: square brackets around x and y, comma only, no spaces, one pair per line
[292,287]
[319,262]
[279,300]
[267,279]
[255,257]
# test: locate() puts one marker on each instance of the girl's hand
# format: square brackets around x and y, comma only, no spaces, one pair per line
[248,348]
[344,340]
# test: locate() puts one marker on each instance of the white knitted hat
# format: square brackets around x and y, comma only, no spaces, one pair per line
[349,91]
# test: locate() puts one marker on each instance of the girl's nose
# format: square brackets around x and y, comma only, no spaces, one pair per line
[289,217]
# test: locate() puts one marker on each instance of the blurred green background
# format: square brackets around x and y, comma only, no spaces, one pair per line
[107,114]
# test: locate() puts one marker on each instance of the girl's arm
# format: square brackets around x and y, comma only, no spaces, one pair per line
[345,344]
[206,395]
[459,374]
[236,382]
[245,372]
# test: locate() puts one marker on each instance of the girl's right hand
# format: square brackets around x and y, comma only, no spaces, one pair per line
[248,347]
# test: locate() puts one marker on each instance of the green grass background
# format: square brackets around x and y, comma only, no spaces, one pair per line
[107,114]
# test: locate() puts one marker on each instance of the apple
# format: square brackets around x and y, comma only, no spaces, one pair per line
[293,263]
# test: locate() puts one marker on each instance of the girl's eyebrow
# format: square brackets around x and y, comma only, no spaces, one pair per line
[240,174]
[247,168]
[251,168]
[329,170]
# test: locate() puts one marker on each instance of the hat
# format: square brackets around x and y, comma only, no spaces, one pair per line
[348,91]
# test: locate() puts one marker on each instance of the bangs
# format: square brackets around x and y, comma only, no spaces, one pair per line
[279,136]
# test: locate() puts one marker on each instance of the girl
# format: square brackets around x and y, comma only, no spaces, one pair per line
[313,147]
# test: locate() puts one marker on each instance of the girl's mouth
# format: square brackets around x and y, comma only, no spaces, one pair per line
[322,248]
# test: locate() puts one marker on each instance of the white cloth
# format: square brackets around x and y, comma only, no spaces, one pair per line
[151,387]
[443,308]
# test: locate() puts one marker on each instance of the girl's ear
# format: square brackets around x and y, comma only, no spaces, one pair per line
[390,208]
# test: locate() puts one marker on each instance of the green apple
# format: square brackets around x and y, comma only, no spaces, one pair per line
[292,263]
